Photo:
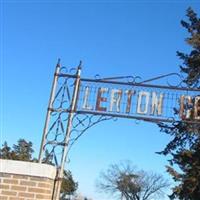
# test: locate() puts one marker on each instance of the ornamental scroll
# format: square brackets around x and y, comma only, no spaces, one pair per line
[77,104]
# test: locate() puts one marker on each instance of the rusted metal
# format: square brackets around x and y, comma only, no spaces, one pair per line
[135,101]
[197,108]
[115,100]
[156,106]
[148,103]
[85,102]
[129,93]
[185,107]
[101,99]
[141,85]
[131,83]
[152,120]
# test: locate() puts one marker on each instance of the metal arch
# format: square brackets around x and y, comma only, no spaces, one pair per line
[85,123]
[55,136]
[60,103]
[65,123]
[58,115]
[63,126]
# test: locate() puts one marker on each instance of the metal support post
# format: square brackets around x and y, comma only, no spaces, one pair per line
[67,136]
[51,99]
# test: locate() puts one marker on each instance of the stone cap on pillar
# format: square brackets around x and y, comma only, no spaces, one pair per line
[27,168]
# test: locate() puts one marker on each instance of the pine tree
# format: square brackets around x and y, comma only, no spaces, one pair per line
[23,150]
[185,145]
[6,152]
[69,186]
[192,60]
[48,158]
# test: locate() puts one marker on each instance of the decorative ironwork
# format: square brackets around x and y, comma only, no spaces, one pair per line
[59,115]
[56,134]
[176,76]
[137,79]
[136,100]
[128,79]
[77,104]
[147,102]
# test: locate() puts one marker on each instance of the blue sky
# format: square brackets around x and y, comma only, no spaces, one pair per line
[112,38]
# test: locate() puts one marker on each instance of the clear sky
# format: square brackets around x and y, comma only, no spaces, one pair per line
[112,38]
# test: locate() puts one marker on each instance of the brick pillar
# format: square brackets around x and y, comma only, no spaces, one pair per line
[21,180]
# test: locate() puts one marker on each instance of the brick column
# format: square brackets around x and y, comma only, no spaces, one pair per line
[21,180]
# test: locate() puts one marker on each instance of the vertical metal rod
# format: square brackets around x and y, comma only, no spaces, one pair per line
[51,99]
[68,133]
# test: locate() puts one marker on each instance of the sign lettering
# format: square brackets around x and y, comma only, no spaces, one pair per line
[138,101]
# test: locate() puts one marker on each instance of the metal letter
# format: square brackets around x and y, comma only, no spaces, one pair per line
[115,99]
[101,99]
[85,99]
[186,108]
[197,108]
[146,103]
[129,99]
[156,106]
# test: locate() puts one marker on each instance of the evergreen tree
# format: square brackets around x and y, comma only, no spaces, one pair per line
[192,61]
[23,151]
[69,186]
[6,152]
[185,145]
[48,158]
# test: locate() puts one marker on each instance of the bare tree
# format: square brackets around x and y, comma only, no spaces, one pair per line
[124,180]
